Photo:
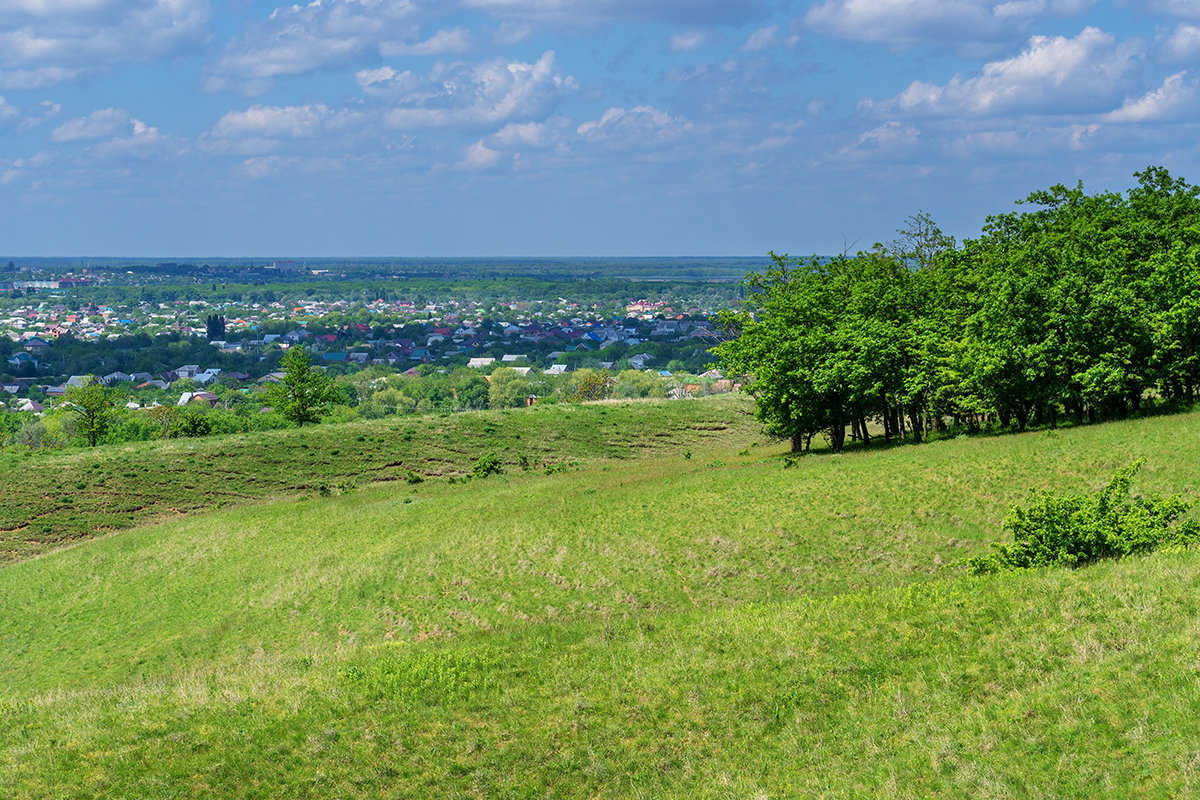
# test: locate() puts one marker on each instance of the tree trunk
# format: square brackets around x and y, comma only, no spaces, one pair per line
[914,418]
[797,442]
[887,417]
[837,431]
[862,426]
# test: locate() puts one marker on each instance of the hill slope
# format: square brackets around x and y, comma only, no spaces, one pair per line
[717,625]
[51,499]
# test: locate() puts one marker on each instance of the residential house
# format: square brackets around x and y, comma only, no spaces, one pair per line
[188,398]
[640,360]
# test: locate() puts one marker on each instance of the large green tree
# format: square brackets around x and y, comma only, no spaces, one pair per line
[305,393]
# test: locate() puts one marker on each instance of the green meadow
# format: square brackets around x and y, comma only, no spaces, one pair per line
[687,615]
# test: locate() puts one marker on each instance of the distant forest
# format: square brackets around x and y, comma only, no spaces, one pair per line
[1084,307]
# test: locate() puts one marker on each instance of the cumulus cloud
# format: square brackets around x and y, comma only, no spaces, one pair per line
[1181,44]
[300,38]
[537,135]
[273,122]
[1176,97]
[471,95]
[479,156]
[949,21]
[634,127]
[114,134]
[1053,75]
[100,124]
[46,42]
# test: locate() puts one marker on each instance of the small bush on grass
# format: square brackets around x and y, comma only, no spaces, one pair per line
[487,465]
[1070,530]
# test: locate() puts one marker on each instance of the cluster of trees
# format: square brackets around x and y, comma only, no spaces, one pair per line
[1084,306]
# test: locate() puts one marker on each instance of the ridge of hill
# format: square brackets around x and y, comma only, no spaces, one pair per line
[48,500]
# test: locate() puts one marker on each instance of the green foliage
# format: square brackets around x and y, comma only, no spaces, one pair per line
[1083,307]
[1069,530]
[489,464]
[95,408]
[190,424]
[591,385]
[305,393]
[507,388]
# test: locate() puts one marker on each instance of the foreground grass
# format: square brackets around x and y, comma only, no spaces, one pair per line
[49,500]
[1058,684]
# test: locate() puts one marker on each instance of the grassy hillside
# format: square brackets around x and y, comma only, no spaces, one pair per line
[715,625]
[51,499]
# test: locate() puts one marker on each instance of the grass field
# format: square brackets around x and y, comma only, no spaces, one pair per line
[701,620]
[50,499]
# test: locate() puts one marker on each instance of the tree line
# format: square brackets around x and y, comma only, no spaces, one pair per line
[1083,306]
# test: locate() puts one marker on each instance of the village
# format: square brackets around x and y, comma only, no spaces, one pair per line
[204,354]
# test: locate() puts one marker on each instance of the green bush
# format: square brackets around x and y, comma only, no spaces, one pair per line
[191,424]
[487,465]
[1070,530]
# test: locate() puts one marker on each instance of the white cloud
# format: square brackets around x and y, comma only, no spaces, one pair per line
[642,126]
[950,21]
[1054,75]
[1182,44]
[100,124]
[44,112]
[887,138]
[8,111]
[45,42]
[114,135]
[39,78]
[525,134]
[470,95]
[1177,96]
[762,38]
[478,156]
[451,41]
[687,41]
[1188,9]
[297,39]
[270,122]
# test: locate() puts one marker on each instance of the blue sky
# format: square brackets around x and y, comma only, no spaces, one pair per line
[569,127]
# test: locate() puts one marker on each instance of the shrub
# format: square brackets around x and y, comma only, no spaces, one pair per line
[1070,530]
[487,465]
[190,424]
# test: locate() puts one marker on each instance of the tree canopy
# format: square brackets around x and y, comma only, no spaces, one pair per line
[305,393]
[94,407]
[1081,305]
